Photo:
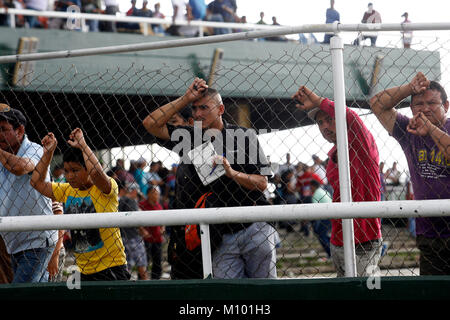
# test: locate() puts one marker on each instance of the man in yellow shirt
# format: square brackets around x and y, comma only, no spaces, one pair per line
[99,253]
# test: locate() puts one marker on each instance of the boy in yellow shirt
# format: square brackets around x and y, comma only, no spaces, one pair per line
[99,253]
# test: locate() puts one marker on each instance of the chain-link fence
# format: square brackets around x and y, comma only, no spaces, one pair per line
[125,158]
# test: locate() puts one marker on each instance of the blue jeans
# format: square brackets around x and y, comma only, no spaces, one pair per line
[93,25]
[322,229]
[218,18]
[31,265]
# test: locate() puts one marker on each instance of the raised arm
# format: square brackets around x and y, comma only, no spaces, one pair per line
[40,172]
[93,166]
[307,99]
[15,164]
[383,103]
[156,122]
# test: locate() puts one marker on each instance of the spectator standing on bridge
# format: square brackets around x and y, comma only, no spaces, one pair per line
[30,251]
[332,15]
[370,16]
[198,9]
[158,28]
[4,19]
[132,12]
[145,11]
[179,15]
[425,140]
[112,7]
[261,18]
[38,5]
[91,6]
[364,179]
[219,11]
[406,35]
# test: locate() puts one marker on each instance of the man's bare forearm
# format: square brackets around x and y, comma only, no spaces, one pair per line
[161,116]
[389,98]
[250,181]
[93,166]
[14,164]
[442,140]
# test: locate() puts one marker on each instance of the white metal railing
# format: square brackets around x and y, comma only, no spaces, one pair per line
[319,211]
[206,216]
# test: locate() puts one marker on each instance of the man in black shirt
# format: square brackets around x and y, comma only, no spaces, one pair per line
[246,250]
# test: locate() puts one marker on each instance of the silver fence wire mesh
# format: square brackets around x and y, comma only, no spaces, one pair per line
[122,159]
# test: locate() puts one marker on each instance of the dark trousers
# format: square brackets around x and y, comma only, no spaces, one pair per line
[322,230]
[110,26]
[185,264]
[6,271]
[434,255]
[110,274]
[154,252]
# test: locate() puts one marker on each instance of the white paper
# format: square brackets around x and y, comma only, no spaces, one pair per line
[202,157]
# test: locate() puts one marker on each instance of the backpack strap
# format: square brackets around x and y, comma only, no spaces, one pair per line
[191,231]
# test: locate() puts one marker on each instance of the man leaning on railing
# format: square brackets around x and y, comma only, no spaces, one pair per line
[425,140]
[245,249]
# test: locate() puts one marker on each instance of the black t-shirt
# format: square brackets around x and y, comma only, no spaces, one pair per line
[188,187]
[241,148]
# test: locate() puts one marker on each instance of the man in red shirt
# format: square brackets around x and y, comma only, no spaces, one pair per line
[153,237]
[364,176]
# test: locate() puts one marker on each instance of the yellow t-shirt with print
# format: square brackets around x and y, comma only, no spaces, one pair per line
[94,249]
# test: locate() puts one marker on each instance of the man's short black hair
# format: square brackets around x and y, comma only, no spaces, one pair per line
[74,155]
[434,85]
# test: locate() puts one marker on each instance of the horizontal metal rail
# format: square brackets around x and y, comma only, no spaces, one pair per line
[382,209]
[164,44]
[135,19]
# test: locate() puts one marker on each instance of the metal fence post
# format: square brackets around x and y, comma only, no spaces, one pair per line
[206,251]
[12,20]
[337,50]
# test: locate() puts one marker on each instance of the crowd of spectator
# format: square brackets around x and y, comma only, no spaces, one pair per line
[192,10]
[238,249]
